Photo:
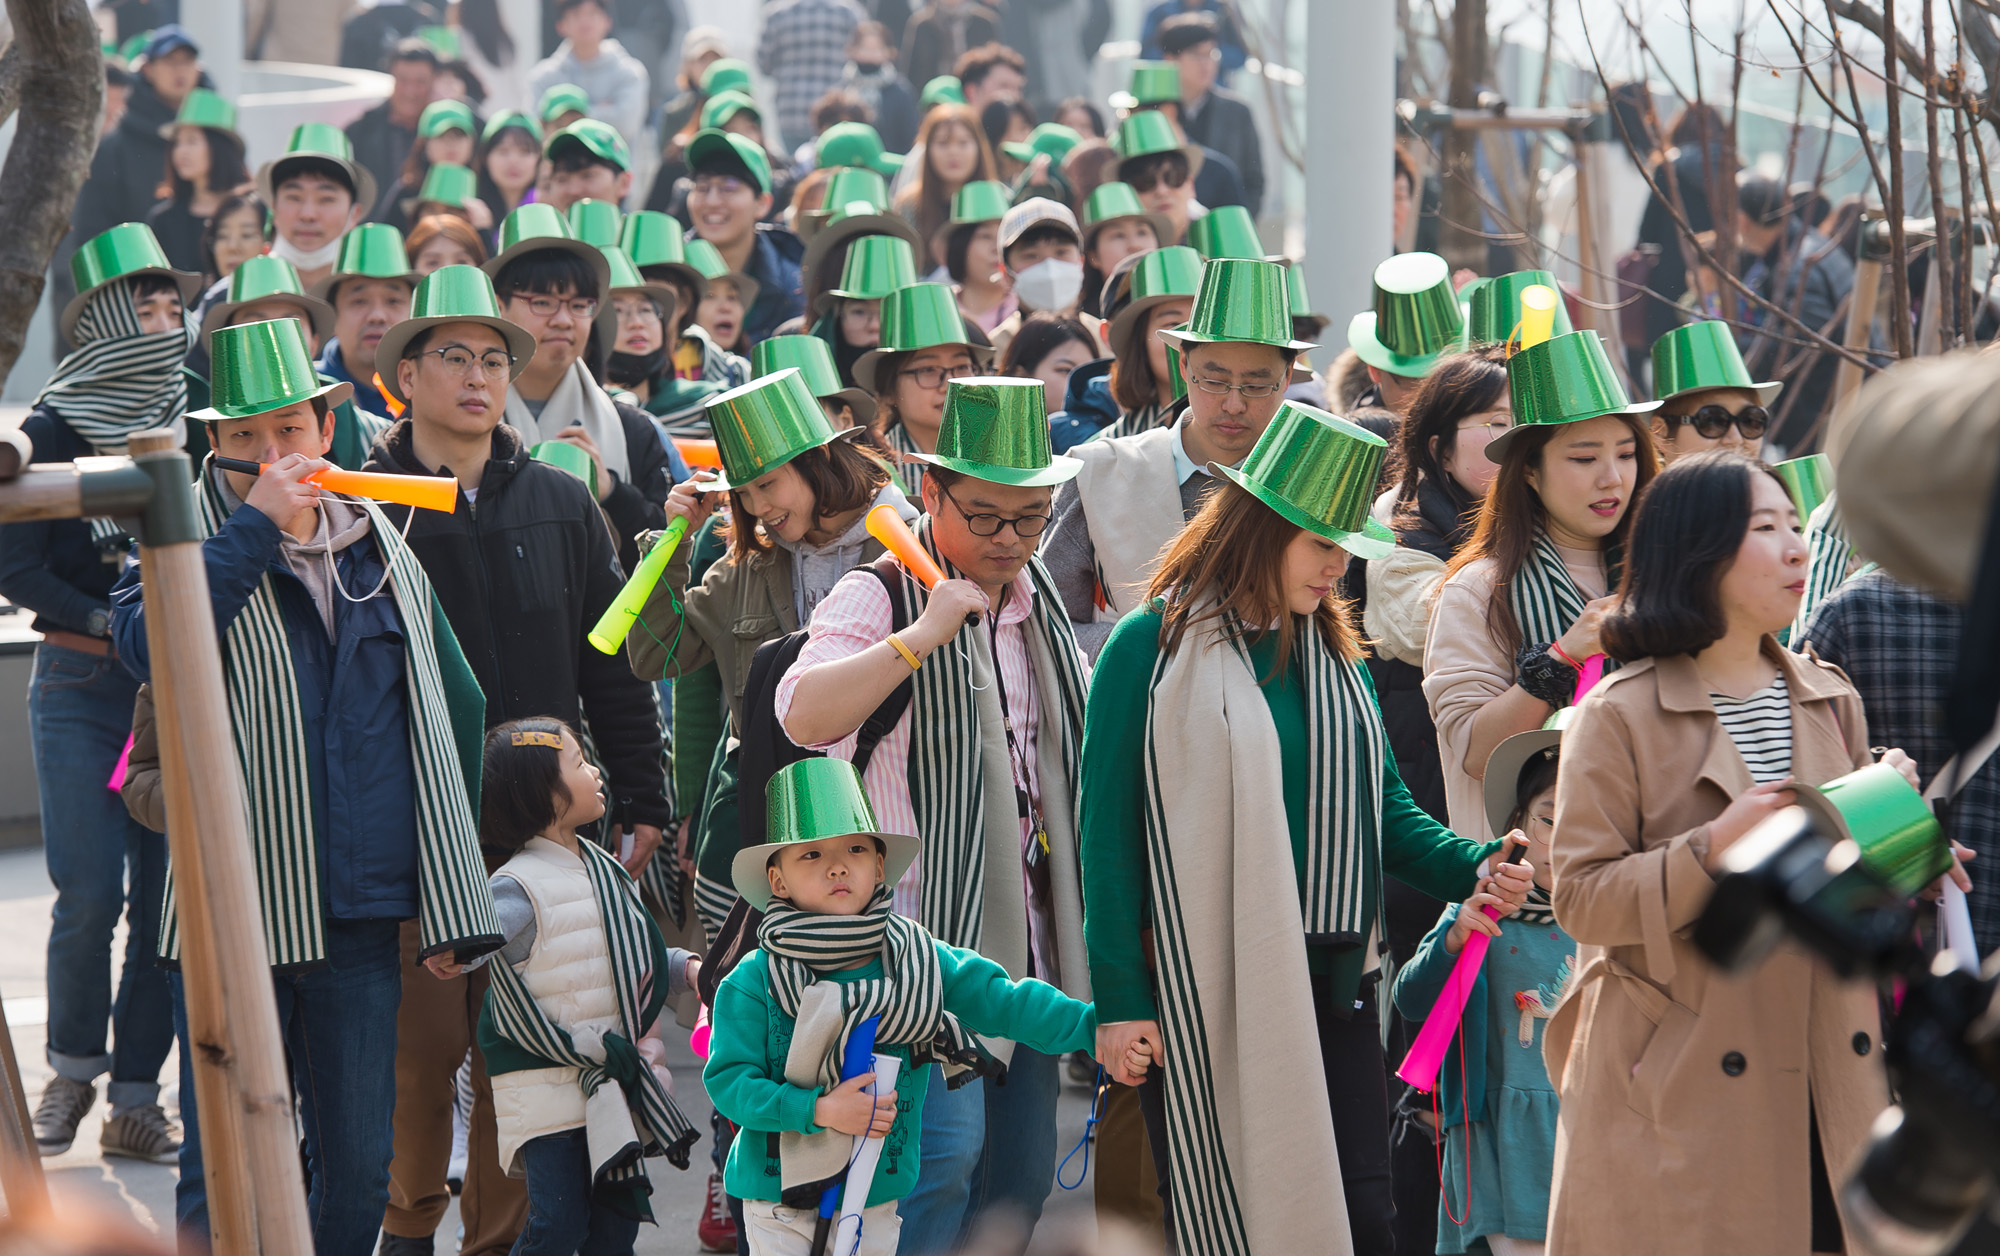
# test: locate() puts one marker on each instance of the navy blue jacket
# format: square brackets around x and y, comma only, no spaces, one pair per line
[1088,406]
[51,566]
[358,743]
[775,265]
[366,395]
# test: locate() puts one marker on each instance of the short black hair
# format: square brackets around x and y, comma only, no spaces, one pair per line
[545,272]
[1763,201]
[412,49]
[144,286]
[564,6]
[1044,231]
[572,158]
[1183,31]
[974,64]
[956,246]
[289,168]
[521,790]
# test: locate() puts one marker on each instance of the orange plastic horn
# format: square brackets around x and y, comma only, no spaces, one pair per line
[431,492]
[886,526]
[698,453]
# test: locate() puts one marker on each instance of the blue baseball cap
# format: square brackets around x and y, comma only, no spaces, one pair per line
[170,38]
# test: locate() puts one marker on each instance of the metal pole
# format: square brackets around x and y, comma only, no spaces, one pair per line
[1350,146]
[217,29]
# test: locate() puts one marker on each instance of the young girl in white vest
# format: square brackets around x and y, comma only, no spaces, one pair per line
[570,1030]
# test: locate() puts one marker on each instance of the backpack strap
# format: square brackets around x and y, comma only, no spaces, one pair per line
[886,716]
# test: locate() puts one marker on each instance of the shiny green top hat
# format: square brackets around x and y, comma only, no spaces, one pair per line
[1320,472]
[1496,307]
[875,267]
[944,89]
[855,144]
[764,424]
[1051,139]
[1502,787]
[721,152]
[1152,83]
[267,278]
[1564,379]
[651,238]
[1143,134]
[125,251]
[850,186]
[1702,355]
[1240,298]
[1157,277]
[442,117]
[1112,201]
[981,200]
[444,40]
[261,367]
[447,183]
[1809,480]
[1875,808]
[562,98]
[813,359]
[373,250]
[708,263]
[725,74]
[718,109]
[850,222]
[625,277]
[323,143]
[536,226]
[595,222]
[599,139]
[1416,319]
[809,801]
[921,316]
[204,108]
[451,294]
[510,118]
[996,428]
[1225,231]
[1295,292]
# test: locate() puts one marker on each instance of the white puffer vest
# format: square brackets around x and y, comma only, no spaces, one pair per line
[568,971]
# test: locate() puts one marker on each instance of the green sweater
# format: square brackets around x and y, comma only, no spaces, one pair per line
[749,1038]
[1412,846]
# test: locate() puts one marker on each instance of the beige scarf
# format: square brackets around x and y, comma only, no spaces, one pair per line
[1132,504]
[576,400]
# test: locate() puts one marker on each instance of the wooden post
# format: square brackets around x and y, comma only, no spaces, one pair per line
[1860,318]
[256,1195]
[20,1160]
[1595,253]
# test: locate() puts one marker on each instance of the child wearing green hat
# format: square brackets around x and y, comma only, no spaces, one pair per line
[832,954]
[447,135]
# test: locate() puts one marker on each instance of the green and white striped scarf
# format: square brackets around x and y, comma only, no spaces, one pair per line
[1544,595]
[909,470]
[455,908]
[1829,555]
[656,1125]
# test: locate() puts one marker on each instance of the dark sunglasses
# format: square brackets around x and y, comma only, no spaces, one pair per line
[1712,421]
[1171,175]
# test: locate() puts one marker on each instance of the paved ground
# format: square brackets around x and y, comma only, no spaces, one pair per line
[145,1191]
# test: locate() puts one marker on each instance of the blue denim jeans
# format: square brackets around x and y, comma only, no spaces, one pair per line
[103,862]
[339,1025]
[562,1220]
[984,1146]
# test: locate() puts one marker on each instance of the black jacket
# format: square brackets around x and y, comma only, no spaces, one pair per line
[522,576]
[127,170]
[638,504]
[51,566]
[380,145]
[1226,125]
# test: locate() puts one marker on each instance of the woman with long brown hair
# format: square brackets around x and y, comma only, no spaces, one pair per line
[955,153]
[1236,781]
[1517,616]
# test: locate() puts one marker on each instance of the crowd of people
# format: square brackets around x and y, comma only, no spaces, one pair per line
[1055,676]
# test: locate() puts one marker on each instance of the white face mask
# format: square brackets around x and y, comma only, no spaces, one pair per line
[318,259]
[1050,284]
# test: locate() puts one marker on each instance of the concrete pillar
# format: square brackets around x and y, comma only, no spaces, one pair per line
[1350,69]
[217,29]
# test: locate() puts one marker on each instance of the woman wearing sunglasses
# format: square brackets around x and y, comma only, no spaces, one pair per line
[1707,400]
[926,343]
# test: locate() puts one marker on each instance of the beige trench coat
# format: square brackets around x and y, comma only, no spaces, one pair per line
[1685,1118]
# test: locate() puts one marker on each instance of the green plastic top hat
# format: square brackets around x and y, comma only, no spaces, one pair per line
[322,143]
[725,74]
[721,152]
[1809,480]
[625,277]
[261,367]
[1112,201]
[764,424]
[204,108]
[442,117]
[1502,787]
[707,261]
[1875,808]
[1496,307]
[1320,472]
[651,238]
[1225,231]
[537,226]
[1152,83]
[511,118]
[981,200]
[855,144]
[267,278]
[562,98]
[1167,274]
[718,109]
[448,183]
[599,139]
[125,251]
[921,316]
[373,250]
[996,428]
[1416,319]
[595,222]
[1695,356]
[813,359]
[1295,292]
[1145,133]
[876,265]
[1564,379]
[444,40]
[451,294]
[944,89]
[1051,139]
[1241,299]
[849,222]
[849,186]
[809,801]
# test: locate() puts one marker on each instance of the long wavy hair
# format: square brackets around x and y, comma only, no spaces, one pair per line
[927,199]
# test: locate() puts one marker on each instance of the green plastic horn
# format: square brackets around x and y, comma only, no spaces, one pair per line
[609,634]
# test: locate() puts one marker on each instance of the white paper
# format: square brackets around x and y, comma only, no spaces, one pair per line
[1955,923]
[861,1173]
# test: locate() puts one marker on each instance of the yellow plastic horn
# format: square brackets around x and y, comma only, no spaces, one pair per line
[617,618]
[1538,314]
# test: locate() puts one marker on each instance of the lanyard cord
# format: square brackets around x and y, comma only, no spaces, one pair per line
[1018,758]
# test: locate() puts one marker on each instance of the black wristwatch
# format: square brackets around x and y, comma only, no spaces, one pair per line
[99,622]
[1545,676]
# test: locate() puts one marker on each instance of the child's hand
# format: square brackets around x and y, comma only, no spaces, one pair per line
[443,967]
[1471,919]
[850,1109]
[1510,881]
[1138,1057]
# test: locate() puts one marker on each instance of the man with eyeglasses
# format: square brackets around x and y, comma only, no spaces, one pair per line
[1707,399]
[1136,492]
[522,567]
[728,200]
[925,343]
[997,686]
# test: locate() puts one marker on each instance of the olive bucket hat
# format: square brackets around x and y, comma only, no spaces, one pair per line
[260,367]
[1700,355]
[1564,379]
[809,801]
[451,294]
[996,428]
[1318,471]
[764,424]
[125,251]
[1416,319]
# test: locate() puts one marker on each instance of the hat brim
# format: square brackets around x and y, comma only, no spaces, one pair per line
[711,146]
[390,348]
[1183,338]
[1163,228]
[1767,392]
[1496,448]
[722,483]
[324,288]
[1190,150]
[660,291]
[832,235]
[318,314]
[1503,773]
[362,182]
[1125,326]
[1061,470]
[860,400]
[746,288]
[746,870]
[335,392]
[190,285]
[865,365]
[590,253]
[1373,539]
[1361,339]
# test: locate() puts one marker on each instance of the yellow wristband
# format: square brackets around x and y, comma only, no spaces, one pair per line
[896,643]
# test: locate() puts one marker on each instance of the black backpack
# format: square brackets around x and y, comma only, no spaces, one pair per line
[765,748]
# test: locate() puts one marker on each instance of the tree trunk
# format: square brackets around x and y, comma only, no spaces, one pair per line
[1459,237]
[55,71]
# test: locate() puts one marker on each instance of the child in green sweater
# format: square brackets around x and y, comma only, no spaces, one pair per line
[832,954]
